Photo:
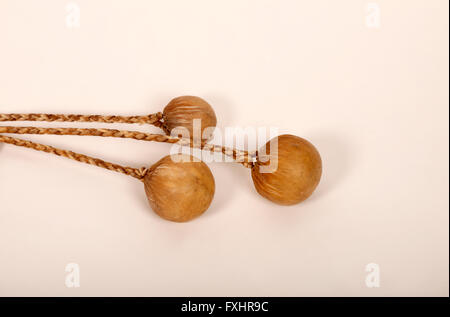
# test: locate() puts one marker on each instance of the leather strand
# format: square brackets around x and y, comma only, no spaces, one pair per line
[138,173]
[243,157]
[90,132]
[154,119]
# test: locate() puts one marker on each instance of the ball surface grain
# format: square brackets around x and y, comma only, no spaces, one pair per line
[181,111]
[295,169]
[178,188]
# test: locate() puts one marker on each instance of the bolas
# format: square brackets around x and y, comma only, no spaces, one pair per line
[287,170]
[181,112]
[178,188]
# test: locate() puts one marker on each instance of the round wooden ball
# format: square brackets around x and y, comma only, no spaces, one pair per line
[181,112]
[288,173]
[178,188]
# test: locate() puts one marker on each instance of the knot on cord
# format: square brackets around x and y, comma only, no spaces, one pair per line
[156,119]
[141,172]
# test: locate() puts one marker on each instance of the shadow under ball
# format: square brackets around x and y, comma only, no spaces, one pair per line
[181,111]
[296,172]
[178,188]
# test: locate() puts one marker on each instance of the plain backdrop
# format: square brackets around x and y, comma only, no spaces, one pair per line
[373,98]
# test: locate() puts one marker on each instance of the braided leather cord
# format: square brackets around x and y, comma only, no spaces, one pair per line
[154,119]
[90,132]
[138,173]
[243,157]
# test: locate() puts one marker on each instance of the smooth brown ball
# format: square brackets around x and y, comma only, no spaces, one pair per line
[295,168]
[181,111]
[178,188]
